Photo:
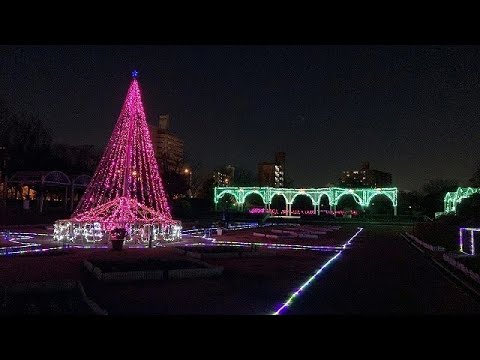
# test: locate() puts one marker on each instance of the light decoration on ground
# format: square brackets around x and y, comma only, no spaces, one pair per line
[126,190]
[468,247]
[363,196]
[24,240]
[309,281]
[22,246]
[302,212]
[453,198]
[282,246]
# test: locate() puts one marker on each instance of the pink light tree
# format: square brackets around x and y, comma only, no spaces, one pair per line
[126,190]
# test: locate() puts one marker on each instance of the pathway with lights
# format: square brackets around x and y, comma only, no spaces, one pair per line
[381,274]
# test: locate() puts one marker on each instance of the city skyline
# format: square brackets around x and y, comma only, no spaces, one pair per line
[409,110]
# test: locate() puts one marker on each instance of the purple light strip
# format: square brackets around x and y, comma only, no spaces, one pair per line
[461,239]
[305,284]
[23,233]
[268,246]
[472,239]
[286,246]
[473,242]
[14,250]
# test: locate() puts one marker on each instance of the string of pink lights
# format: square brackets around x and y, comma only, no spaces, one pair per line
[301,212]
[126,186]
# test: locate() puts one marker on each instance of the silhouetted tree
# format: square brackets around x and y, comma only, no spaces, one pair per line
[469,208]
[409,203]
[253,200]
[475,179]
[206,190]
[176,184]
[26,139]
[433,194]
[75,159]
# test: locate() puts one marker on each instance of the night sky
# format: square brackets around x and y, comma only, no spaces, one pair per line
[409,110]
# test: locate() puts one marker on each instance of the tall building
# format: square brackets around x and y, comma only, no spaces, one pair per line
[272,174]
[168,147]
[365,177]
[224,176]
[279,169]
[266,174]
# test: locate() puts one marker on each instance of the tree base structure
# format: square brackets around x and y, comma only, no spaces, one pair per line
[117,245]
[141,225]
[90,233]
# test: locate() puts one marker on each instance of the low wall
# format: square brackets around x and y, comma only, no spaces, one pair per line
[458,265]
[53,286]
[425,245]
[125,276]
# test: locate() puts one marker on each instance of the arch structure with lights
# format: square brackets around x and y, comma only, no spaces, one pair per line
[453,198]
[363,196]
[42,180]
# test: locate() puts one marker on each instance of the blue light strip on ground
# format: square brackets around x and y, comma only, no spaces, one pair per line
[305,284]
[34,247]
[269,246]
[285,246]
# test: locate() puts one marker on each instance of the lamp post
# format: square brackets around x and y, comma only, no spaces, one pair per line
[188,173]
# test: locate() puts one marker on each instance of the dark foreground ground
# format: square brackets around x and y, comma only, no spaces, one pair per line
[248,285]
[383,275]
[380,274]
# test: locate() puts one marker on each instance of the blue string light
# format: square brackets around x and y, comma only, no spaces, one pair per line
[305,284]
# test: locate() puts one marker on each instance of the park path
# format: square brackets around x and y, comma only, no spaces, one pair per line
[381,274]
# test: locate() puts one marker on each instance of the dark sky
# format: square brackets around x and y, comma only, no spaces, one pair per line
[409,110]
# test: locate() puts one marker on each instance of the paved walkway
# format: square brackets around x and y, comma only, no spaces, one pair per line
[383,275]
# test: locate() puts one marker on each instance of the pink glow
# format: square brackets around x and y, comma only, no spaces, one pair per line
[300,212]
[126,186]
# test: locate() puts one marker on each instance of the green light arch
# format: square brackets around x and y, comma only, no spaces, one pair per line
[254,192]
[304,194]
[362,196]
[453,198]
[357,198]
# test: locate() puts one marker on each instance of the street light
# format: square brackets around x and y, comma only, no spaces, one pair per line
[188,172]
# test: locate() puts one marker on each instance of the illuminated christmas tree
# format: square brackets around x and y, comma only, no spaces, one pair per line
[126,191]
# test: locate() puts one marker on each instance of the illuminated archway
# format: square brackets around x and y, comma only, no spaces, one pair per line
[357,198]
[223,193]
[374,198]
[278,204]
[453,198]
[349,201]
[362,196]
[304,204]
[227,202]
[254,199]
[324,206]
[254,192]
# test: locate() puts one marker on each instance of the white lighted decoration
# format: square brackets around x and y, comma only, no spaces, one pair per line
[467,246]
